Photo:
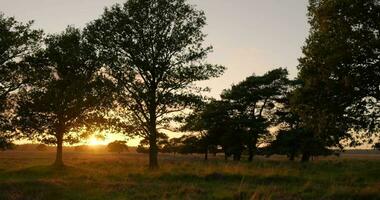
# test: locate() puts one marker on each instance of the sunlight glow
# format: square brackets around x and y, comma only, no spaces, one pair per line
[93,141]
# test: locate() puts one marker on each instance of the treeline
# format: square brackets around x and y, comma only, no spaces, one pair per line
[135,68]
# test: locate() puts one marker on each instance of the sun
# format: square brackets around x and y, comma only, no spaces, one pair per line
[94,141]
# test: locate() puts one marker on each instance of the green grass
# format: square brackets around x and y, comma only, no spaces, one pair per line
[28,175]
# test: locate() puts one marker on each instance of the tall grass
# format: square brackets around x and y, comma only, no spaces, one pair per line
[28,175]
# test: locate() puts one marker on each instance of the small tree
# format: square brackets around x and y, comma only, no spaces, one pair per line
[172,146]
[190,144]
[41,147]
[253,103]
[217,126]
[5,144]
[153,49]
[377,146]
[117,146]
[67,102]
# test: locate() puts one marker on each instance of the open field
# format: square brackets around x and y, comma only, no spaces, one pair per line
[27,175]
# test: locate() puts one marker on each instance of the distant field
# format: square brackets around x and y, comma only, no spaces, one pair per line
[27,175]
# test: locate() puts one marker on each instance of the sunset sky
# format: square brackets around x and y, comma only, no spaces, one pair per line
[249,36]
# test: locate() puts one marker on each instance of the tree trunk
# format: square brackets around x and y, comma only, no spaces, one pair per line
[152,128]
[236,156]
[250,152]
[251,149]
[305,157]
[292,157]
[59,159]
[226,155]
[153,153]
[153,149]
[206,153]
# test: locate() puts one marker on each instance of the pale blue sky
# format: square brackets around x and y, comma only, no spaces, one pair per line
[249,36]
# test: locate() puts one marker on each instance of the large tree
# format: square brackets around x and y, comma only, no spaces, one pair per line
[153,50]
[18,41]
[67,101]
[340,70]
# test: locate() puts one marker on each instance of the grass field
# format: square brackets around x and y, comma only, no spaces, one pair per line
[27,175]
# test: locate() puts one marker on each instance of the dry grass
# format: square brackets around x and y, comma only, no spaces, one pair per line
[28,175]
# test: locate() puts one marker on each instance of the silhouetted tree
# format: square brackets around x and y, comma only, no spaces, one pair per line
[217,126]
[340,70]
[253,101]
[162,141]
[196,122]
[190,144]
[293,138]
[154,51]
[41,147]
[295,142]
[376,146]
[172,146]
[117,146]
[67,102]
[5,144]
[18,41]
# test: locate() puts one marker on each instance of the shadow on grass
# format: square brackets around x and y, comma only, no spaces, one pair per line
[34,183]
[33,190]
[37,172]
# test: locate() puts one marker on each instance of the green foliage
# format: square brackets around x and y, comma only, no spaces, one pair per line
[293,138]
[153,50]
[117,146]
[340,70]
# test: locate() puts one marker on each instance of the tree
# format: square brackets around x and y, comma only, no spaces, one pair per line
[172,146]
[190,144]
[340,70]
[253,102]
[41,147]
[293,137]
[162,141]
[117,146]
[153,49]
[376,146]
[294,142]
[216,125]
[68,100]
[5,144]
[18,41]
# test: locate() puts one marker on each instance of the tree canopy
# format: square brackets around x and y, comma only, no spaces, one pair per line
[18,41]
[153,49]
[340,70]
[67,101]
[117,146]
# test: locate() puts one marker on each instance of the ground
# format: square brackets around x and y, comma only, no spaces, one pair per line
[28,175]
